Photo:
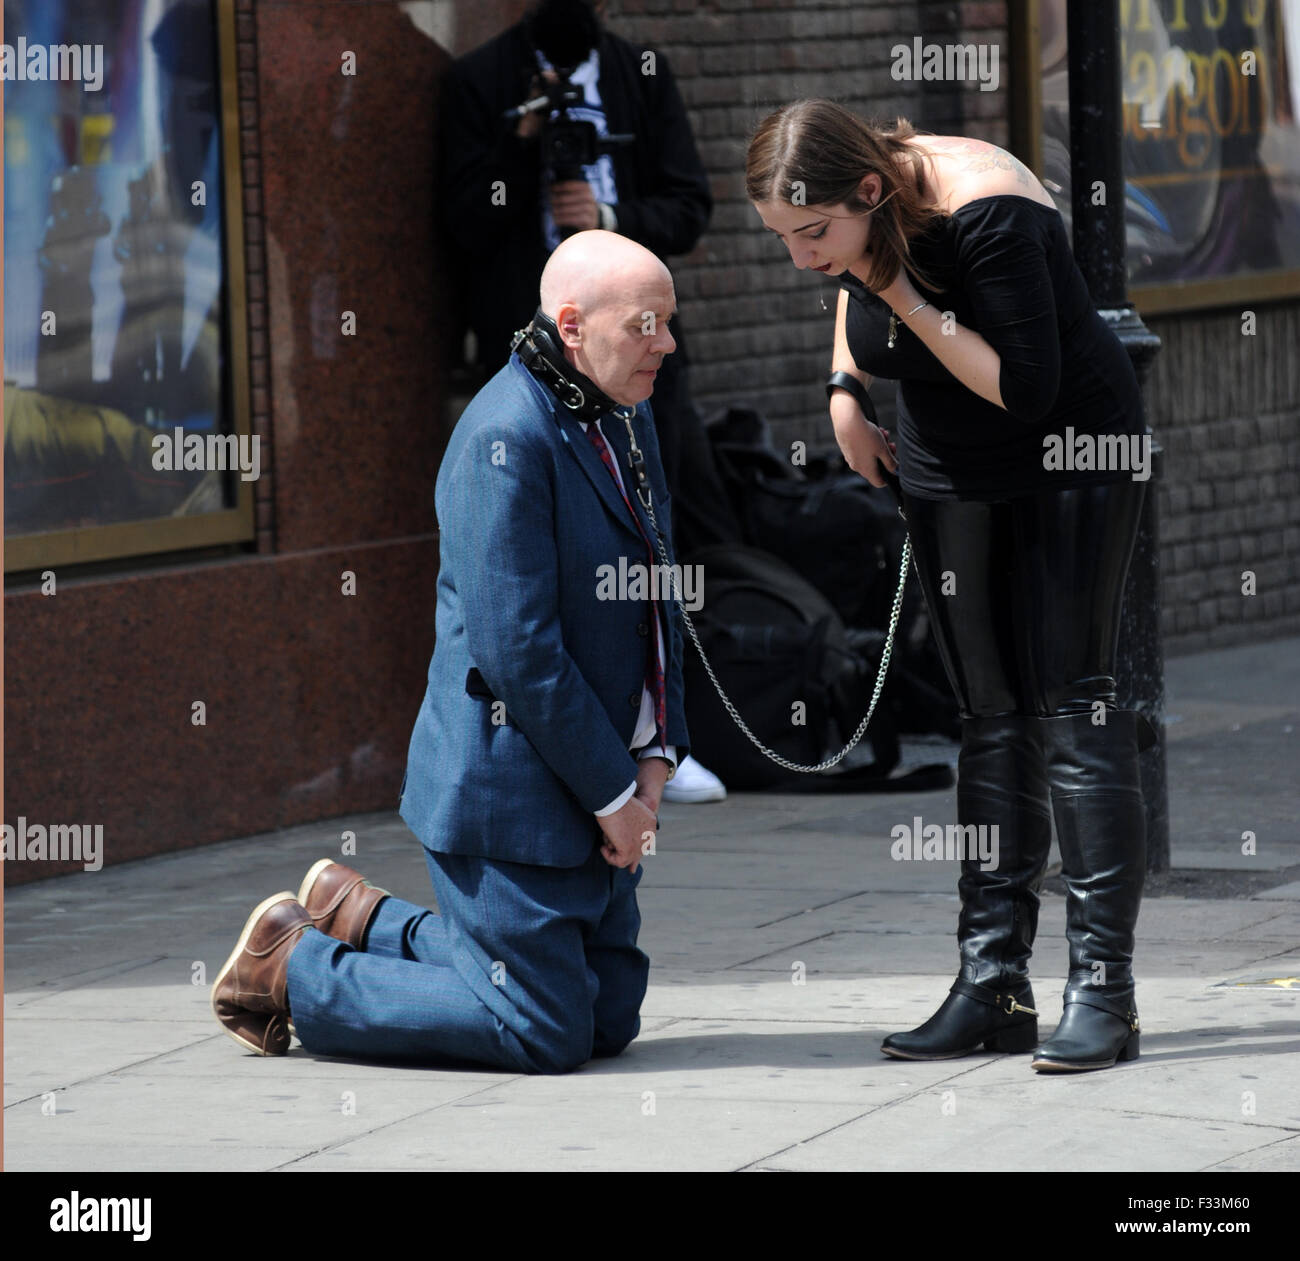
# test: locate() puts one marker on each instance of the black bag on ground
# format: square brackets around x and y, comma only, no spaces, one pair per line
[846,538]
[781,652]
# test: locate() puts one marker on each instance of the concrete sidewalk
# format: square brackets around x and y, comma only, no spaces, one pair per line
[114,1062]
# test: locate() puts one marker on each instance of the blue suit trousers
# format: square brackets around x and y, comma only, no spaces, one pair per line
[524,968]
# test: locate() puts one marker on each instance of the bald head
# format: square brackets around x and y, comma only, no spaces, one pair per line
[611,300]
[589,268]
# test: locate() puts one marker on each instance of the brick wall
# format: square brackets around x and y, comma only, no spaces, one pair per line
[1225,407]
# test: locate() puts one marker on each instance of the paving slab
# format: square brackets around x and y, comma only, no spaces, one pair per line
[1279,1156]
[1283,893]
[696,1135]
[942,1128]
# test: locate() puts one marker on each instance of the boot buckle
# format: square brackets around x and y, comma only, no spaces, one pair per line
[1013,1006]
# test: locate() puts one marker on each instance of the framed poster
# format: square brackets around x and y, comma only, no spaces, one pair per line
[125,354]
[1211,139]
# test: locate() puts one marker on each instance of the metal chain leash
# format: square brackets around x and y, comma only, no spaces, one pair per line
[573,399]
[771,754]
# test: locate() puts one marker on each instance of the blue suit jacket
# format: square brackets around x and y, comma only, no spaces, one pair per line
[528,514]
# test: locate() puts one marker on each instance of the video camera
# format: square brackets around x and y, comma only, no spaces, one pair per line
[565,32]
[568,144]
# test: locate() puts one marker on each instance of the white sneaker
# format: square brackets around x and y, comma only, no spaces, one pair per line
[693,783]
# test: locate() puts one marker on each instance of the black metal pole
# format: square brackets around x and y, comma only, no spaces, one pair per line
[1097,203]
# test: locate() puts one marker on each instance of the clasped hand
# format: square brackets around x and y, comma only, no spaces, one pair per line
[632,827]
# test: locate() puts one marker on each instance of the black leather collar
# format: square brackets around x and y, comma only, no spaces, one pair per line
[539,348]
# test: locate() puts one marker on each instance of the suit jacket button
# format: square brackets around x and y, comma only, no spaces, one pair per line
[643,630]
[634,700]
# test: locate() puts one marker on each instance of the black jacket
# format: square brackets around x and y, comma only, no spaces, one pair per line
[489,180]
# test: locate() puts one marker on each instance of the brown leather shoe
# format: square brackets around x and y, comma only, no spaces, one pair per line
[250,995]
[340,901]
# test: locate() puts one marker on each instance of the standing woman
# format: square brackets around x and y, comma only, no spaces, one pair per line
[957,280]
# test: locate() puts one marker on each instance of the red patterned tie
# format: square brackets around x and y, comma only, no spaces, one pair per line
[654,667]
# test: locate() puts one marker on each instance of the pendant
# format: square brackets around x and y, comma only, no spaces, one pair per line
[893,329]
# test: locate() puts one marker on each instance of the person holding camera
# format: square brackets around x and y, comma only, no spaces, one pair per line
[957,280]
[504,208]
[558,126]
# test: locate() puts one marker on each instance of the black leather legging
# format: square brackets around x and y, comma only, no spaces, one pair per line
[1025,594]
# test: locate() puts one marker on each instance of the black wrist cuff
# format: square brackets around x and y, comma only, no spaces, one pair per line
[847,381]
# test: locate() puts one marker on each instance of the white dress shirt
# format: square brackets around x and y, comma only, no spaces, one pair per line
[645,722]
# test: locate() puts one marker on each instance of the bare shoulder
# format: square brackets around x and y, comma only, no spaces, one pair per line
[966,170]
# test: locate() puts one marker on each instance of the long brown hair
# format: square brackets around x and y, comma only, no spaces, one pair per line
[822,150]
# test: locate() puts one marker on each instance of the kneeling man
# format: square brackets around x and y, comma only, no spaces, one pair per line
[552,719]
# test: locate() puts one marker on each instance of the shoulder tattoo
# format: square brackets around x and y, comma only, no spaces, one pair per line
[988,157]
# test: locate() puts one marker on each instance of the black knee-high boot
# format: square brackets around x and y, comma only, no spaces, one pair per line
[1101,828]
[1000,784]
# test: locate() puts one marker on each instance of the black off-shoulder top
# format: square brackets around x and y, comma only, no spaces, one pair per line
[1003,267]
